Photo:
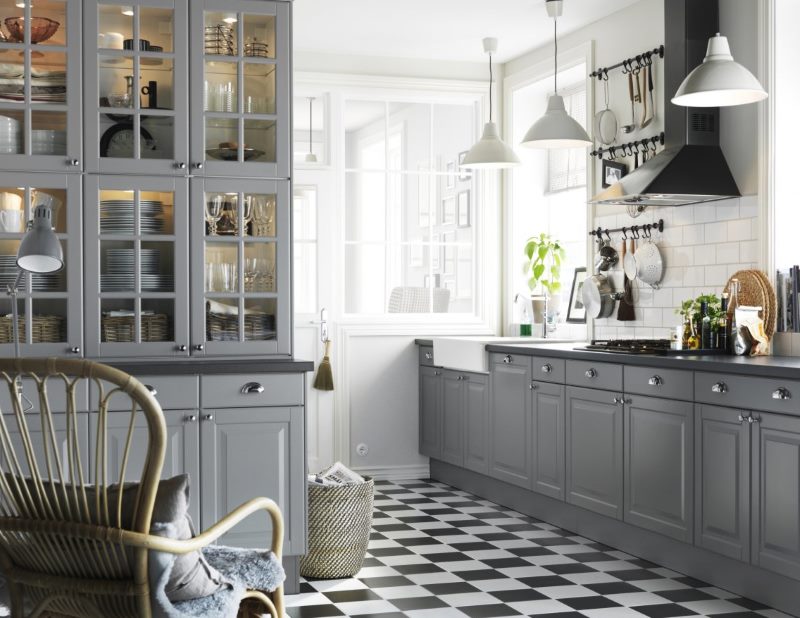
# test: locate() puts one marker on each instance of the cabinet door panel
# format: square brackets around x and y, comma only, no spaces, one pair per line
[430,412]
[510,422]
[182,455]
[594,451]
[659,466]
[776,493]
[252,453]
[452,418]
[722,481]
[476,449]
[548,439]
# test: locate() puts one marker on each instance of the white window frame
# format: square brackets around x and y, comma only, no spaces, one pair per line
[567,94]
[568,58]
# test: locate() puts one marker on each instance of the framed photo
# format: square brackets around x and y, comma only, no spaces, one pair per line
[613,172]
[449,210]
[436,252]
[576,312]
[463,209]
[450,179]
[463,175]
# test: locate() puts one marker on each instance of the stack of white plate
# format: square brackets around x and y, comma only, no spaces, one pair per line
[119,266]
[52,282]
[46,142]
[117,217]
[10,136]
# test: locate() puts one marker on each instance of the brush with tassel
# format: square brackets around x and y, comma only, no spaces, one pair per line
[324,378]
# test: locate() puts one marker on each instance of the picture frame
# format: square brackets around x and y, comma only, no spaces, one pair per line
[613,172]
[576,312]
[463,209]
[464,175]
[449,210]
[450,179]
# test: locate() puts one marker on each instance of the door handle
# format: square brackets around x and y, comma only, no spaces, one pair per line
[656,381]
[192,418]
[252,388]
[782,394]
[719,387]
[199,347]
[151,390]
[181,348]
[75,350]
[591,373]
[507,359]
[547,368]
[428,355]
[208,417]
[532,386]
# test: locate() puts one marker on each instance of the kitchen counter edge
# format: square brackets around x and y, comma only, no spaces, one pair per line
[211,366]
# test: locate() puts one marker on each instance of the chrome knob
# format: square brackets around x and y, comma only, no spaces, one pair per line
[428,355]
[656,381]
[192,418]
[151,390]
[180,165]
[719,387]
[198,166]
[75,350]
[547,368]
[199,347]
[742,419]
[437,373]
[74,162]
[208,417]
[617,400]
[181,348]
[782,394]
[591,373]
[459,378]
[507,359]
[533,386]
[753,419]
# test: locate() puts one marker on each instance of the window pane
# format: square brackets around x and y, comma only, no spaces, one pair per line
[365,134]
[310,134]
[305,249]
[365,206]
[453,133]
[409,132]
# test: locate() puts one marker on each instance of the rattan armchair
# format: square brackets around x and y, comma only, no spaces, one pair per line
[56,558]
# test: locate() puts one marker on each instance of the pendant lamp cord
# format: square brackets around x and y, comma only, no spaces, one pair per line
[491,87]
[555,55]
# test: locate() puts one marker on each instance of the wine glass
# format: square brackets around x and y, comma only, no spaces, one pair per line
[214,213]
[263,207]
[247,213]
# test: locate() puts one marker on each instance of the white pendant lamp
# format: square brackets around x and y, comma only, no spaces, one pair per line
[556,129]
[719,81]
[491,152]
[311,157]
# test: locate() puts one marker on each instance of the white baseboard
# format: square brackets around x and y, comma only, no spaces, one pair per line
[395,473]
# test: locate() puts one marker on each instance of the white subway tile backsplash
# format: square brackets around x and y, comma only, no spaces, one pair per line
[681,256]
[716,276]
[693,234]
[726,210]
[749,207]
[705,254]
[727,252]
[740,229]
[716,232]
[683,215]
[694,275]
[705,213]
[749,251]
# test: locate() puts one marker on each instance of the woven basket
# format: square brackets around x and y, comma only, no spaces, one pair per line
[44,329]
[122,329]
[339,523]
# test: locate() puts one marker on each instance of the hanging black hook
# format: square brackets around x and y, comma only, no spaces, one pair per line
[625,233]
[605,74]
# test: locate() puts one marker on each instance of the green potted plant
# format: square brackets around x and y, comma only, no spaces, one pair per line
[692,315]
[542,267]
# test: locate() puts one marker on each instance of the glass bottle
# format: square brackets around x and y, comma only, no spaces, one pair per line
[705,327]
[722,329]
[694,339]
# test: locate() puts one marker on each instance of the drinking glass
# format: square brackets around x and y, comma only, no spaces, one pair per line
[263,217]
[247,213]
[214,213]
[252,274]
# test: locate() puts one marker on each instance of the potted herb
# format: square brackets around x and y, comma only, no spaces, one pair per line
[543,269]
[693,316]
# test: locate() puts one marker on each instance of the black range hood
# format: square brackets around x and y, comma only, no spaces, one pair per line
[692,168]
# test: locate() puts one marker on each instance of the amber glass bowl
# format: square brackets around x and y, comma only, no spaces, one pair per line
[42,28]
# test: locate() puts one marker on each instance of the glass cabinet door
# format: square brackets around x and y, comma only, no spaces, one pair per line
[136,80]
[50,308]
[240,267]
[136,274]
[40,59]
[240,76]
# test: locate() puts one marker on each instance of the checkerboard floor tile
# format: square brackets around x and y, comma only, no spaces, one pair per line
[438,552]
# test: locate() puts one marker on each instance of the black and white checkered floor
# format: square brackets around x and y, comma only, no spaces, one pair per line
[437,552]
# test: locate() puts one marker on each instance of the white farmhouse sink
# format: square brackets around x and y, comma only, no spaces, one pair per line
[469,353]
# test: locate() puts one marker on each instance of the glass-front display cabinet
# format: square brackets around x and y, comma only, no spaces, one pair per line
[50,307]
[40,60]
[136,269]
[136,86]
[241,300]
[240,76]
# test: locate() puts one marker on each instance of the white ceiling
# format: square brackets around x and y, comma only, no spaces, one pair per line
[436,29]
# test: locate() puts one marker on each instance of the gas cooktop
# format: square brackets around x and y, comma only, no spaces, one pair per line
[657,347]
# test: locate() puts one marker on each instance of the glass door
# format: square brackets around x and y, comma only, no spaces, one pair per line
[50,308]
[136,87]
[240,83]
[137,283]
[241,271]
[40,61]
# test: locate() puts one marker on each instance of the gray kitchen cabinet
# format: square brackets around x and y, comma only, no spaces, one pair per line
[430,412]
[254,452]
[510,419]
[40,105]
[453,412]
[40,439]
[241,268]
[136,93]
[722,481]
[54,301]
[659,458]
[182,454]
[476,419]
[240,80]
[594,450]
[137,260]
[776,493]
[547,438]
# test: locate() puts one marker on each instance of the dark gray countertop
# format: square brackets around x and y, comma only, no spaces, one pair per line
[208,366]
[763,366]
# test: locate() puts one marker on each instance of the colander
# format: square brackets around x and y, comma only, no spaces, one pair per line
[649,264]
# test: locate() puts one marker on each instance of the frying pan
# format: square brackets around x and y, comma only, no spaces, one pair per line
[598,296]
[605,122]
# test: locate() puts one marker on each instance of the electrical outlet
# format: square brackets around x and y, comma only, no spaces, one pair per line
[362,449]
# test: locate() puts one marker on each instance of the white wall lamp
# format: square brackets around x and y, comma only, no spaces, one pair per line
[491,152]
[720,81]
[556,129]
[311,157]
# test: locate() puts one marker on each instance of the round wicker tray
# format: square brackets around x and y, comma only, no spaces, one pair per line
[755,290]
